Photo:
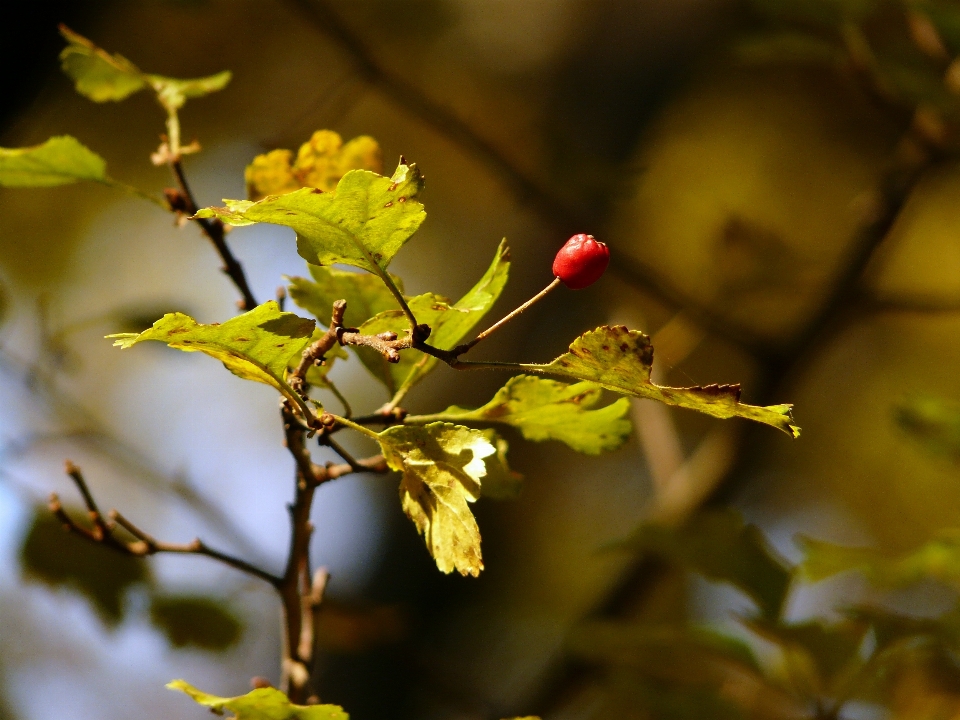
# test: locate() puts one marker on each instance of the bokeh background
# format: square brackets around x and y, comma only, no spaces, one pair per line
[732,184]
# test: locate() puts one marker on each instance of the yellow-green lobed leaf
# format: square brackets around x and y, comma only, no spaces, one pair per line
[173,92]
[61,160]
[363,223]
[442,465]
[258,345]
[261,704]
[549,410]
[620,360]
[97,74]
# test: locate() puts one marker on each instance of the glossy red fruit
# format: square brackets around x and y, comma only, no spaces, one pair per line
[581,261]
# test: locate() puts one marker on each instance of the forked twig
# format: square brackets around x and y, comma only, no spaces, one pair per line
[104,533]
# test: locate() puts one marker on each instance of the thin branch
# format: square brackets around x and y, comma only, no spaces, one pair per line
[213,228]
[461,349]
[103,533]
[320,347]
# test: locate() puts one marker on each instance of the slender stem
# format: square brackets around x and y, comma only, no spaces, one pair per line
[459,350]
[347,410]
[339,450]
[214,230]
[395,291]
[354,426]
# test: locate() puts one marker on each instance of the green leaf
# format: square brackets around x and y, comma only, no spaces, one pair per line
[61,559]
[102,76]
[193,620]
[60,160]
[98,75]
[449,324]
[442,465]
[621,360]
[718,545]
[549,410]
[500,482]
[261,704]
[257,345]
[173,93]
[939,559]
[934,422]
[366,295]
[363,223]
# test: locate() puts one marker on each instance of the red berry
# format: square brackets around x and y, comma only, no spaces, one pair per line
[581,261]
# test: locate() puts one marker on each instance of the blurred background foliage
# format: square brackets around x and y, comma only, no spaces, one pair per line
[777,180]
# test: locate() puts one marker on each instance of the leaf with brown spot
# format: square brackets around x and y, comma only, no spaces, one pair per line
[627,371]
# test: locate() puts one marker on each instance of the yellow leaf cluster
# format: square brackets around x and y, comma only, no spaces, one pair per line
[320,163]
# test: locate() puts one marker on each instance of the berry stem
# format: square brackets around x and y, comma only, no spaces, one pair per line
[460,349]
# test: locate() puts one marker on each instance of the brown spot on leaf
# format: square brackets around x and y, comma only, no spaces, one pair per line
[393,186]
[389,204]
[241,339]
[401,199]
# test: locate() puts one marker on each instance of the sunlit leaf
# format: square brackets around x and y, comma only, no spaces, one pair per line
[720,546]
[621,360]
[500,482]
[173,93]
[449,324]
[98,75]
[195,621]
[60,160]
[363,223]
[62,559]
[320,163]
[103,76]
[442,465]
[938,559]
[549,410]
[261,704]
[257,345]
[366,295]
